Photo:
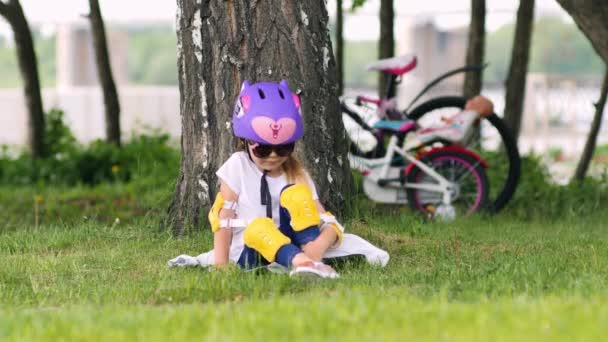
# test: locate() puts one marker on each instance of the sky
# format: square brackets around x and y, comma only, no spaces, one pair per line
[362,25]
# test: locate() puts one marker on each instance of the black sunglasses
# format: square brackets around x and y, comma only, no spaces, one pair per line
[263,151]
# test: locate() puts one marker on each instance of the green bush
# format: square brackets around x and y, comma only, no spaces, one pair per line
[68,163]
[538,196]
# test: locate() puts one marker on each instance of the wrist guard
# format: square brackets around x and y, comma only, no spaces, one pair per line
[214,214]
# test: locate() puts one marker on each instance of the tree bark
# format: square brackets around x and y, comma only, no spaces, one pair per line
[583,164]
[12,11]
[104,71]
[386,45]
[591,16]
[340,46]
[221,44]
[476,48]
[518,70]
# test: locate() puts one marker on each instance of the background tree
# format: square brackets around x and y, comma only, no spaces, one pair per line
[386,44]
[591,16]
[340,46]
[518,70]
[221,44]
[476,47]
[12,11]
[104,72]
[583,164]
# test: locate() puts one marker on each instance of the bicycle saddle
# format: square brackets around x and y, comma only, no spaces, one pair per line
[395,126]
[396,65]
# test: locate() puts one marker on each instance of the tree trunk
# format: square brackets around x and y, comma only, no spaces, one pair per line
[386,45]
[476,46]
[221,44]
[518,70]
[104,71]
[340,46]
[28,67]
[591,16]
[583,164]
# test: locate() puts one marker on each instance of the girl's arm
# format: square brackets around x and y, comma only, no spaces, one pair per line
[317,248]
[223,237]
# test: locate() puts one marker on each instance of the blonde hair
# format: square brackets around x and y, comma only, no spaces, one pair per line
[296,174]
[295,171]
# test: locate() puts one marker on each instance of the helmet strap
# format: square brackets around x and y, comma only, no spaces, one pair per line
[265,198]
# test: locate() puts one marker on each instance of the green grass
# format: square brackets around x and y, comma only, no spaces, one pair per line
[90,263]
[473,279]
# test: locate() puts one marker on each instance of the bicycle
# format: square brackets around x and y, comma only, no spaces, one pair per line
[385,116]
[442,182]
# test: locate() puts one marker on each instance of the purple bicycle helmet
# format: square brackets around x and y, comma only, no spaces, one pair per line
[267,113]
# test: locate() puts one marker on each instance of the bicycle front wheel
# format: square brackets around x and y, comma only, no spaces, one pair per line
[496,144]
[469,184]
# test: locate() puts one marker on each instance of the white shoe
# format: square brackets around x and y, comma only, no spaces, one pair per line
[314,270]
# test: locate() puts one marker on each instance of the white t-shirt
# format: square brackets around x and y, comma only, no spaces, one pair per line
[244,178]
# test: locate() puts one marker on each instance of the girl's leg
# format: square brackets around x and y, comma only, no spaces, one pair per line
[263,238]
[251,259]
[263,241]
[298,210]
[299,220]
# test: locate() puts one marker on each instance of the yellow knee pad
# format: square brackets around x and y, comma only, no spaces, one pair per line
[297,199]
[214,213]
[264,236]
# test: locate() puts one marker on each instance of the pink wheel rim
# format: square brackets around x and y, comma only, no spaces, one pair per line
[470,169]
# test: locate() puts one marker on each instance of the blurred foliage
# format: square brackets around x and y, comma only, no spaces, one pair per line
[151,58]
[71,163]
[601,150]
[9,67]
[538,196]
[358,55]
[558,47]
[356,4]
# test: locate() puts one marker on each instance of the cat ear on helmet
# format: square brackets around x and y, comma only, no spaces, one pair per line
[296,100]
[246,102]
[245,85]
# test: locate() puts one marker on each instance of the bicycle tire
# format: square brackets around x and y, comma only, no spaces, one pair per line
[509,143]
[449,160]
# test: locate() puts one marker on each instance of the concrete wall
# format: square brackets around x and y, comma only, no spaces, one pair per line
[142,108]
[76,64]
[437,52]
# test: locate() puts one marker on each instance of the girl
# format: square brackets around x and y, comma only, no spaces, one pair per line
[267,209]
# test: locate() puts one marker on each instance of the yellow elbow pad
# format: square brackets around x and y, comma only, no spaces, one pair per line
[214,213]
[263,236]
[298,201]
[329,219]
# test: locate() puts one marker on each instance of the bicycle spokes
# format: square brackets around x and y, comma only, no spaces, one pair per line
[467,191]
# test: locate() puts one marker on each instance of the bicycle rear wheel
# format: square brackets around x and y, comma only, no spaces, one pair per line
[496,144]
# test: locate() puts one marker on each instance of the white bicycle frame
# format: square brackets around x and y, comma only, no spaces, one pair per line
[364,164]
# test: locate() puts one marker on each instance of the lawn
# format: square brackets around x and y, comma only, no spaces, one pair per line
[92,277]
